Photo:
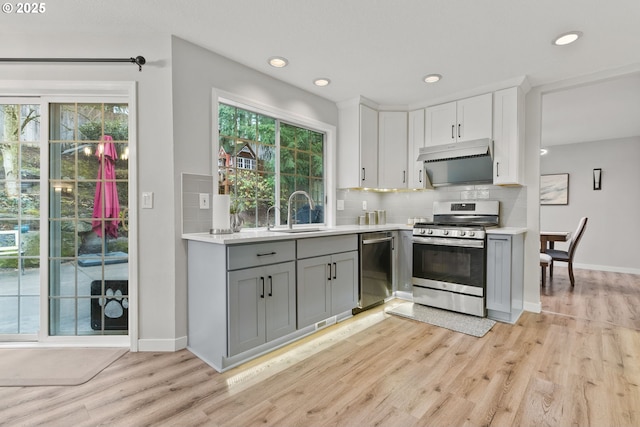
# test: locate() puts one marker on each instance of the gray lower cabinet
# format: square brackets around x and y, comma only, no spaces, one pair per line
[262,305]
[505,276]
[327,285]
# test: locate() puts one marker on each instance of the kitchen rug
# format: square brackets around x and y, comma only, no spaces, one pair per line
[465,323]
[20,367]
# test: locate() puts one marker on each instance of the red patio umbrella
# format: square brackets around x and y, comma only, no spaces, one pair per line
[105,203]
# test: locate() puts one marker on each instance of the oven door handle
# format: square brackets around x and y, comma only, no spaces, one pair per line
[461,243]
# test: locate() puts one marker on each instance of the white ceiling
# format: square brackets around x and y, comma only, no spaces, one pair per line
[379,49]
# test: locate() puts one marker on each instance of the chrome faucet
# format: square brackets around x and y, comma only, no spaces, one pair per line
[269,225]
[311,205]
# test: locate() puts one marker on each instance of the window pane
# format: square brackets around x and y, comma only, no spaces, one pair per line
[29,123]
[266,130]
[116,121]
[227,121]
[255,149]
[62,122]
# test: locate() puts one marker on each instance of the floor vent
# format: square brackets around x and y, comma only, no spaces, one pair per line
[326,322]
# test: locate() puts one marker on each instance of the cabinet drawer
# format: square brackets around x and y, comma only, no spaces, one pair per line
[318,246]
[253,255]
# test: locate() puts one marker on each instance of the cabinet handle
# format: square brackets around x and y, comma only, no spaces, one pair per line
[393,243]
[262,280]
[459,126]
[335,270]
[497,169]
[267,254]
[404,176]
[270,286]
[329,278]
[452,130]
[363,174]
[420,175]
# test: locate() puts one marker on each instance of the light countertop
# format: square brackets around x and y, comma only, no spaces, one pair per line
[507,230]
[262,235]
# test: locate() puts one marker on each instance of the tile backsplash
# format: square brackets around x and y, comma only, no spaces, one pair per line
[194,219]
[404,205]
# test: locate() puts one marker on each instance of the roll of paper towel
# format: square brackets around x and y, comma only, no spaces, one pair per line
[220,204]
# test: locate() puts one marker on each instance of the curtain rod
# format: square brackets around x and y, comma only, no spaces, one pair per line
[139,60]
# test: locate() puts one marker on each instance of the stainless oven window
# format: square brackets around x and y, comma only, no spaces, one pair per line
[451,264]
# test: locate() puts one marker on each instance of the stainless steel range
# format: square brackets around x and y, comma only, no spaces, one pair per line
[449,256]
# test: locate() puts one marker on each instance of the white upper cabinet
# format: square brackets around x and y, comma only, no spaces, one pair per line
[357,146]
[416,142]
[392,149]
[463,120]
[508,163]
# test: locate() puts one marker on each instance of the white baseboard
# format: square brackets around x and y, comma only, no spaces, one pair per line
[610,268]
[168,345]
[534,307]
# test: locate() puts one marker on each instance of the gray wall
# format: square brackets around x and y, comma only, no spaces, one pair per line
[610,241]
[195,73]
[156,267]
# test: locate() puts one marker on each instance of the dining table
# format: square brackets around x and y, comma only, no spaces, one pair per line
[548,239]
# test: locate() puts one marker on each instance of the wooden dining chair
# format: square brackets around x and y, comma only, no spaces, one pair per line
[567,256]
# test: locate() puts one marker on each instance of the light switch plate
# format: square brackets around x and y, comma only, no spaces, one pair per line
[147,200]
[364,205]
[204,200]
[340,205]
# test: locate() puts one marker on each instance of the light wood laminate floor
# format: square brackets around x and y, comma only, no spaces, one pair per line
[577,363]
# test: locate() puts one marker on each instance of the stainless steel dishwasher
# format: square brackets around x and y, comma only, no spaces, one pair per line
[376,264]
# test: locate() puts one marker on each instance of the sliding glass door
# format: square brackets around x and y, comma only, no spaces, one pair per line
[64,206]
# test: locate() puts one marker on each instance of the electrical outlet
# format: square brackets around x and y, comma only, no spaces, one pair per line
[204,200]
[340,205]
[364,205]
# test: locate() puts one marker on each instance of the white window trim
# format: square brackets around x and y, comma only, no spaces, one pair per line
[45,92]
[219,96]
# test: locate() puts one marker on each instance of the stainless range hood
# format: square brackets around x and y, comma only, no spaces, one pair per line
[459,163]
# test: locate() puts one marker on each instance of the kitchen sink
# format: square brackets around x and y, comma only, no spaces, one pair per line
[294,230]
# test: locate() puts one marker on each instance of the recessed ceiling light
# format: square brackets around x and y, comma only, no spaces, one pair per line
[278,61]
[567,38]
[432,78]
[323,81]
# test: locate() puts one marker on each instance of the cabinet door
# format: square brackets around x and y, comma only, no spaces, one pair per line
[368,147]
[508,117]
[314,294]
[415,143]
[499,273]
[280,298]
[474,118]
[392,149]
[344,282]
[246,309]
[440,123]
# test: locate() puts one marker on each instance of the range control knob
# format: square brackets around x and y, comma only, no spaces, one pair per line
[430,231]
[462,233]
[423,231]
[445,232]
[472,233]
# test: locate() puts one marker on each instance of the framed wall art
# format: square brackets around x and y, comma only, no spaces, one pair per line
[554,189]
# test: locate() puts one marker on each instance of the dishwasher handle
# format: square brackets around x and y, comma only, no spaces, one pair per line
[372,241]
